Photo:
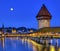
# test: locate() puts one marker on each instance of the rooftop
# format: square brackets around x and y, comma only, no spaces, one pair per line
[49,29]
[43,12]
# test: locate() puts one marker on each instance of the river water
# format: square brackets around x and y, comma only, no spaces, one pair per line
[23,44]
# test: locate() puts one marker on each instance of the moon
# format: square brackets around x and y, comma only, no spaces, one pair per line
[11,9]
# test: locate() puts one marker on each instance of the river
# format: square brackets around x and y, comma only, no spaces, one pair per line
[23,44]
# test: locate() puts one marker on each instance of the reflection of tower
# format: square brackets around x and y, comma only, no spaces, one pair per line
[2,28]
[43,17]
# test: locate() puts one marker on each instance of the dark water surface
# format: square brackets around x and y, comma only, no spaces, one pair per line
[21,44]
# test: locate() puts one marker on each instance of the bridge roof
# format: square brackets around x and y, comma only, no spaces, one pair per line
[49,29]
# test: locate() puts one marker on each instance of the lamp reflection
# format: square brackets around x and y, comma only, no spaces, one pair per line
[52,48]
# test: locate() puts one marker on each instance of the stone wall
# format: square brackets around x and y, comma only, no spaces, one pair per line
[43,23]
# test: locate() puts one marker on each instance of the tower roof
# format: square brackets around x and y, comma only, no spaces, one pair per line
[43,12]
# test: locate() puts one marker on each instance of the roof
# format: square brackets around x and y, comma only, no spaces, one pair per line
[49,29]
[43,12]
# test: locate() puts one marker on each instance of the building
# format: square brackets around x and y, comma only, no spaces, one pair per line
[43,17]
[14,30]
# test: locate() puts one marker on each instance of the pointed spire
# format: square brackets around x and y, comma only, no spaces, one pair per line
[43,12]
[3,28]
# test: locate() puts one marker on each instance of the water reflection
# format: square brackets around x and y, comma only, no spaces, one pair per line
[24,44]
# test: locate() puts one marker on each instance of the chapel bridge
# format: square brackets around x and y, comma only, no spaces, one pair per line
[45,37]
[37,35]
[44,32]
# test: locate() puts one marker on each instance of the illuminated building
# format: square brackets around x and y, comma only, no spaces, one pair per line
[14,30]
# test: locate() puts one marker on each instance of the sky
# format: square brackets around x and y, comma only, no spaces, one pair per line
[23,13]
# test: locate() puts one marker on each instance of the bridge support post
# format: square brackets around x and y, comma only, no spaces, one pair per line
[51,41]
[41,40]
[17,37]
[57,42]
[56,47]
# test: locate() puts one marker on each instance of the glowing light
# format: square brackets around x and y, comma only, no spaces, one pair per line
[52,48]
[59,49]
[11,9]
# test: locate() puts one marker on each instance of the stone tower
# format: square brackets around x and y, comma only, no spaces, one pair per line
[43,17]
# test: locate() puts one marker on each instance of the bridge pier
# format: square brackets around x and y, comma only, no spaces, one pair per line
[57,42]
[51,41]
[41,39]
[56,46]
[17,37]
[45,41]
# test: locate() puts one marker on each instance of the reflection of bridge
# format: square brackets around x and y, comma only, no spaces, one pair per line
[45,37]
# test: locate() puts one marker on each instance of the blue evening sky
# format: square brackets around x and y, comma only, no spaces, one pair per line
[25,11]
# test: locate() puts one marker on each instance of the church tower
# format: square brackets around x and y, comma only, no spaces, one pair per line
[43,17]
[3,28]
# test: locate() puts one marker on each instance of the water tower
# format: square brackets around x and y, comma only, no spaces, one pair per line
[43,17]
